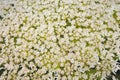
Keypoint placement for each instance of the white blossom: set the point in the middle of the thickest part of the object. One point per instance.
(59, 39)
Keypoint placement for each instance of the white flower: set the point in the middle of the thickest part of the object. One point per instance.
(67, 37)
(53, 38)
(64, 78)
(84, 76)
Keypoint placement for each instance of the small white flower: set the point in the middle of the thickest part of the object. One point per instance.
(53, 38)
(38, 26)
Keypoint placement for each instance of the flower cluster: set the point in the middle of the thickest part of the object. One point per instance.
(59, 39)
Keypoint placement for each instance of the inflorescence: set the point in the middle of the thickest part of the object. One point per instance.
(59, 39)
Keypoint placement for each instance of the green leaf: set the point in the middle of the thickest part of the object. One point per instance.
(25, 20)
(3, 42)
(68, 23)
(1, 17)
(114, 14)
(89, 17)
(115, 57)
(93, 70)
(62, 36)
(110, 29)
(1, 71)
(0, 50)
(59, 3)
(97, 2)
(20, 67)
(12, 5)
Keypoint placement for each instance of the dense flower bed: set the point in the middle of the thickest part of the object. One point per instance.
(59, 39)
